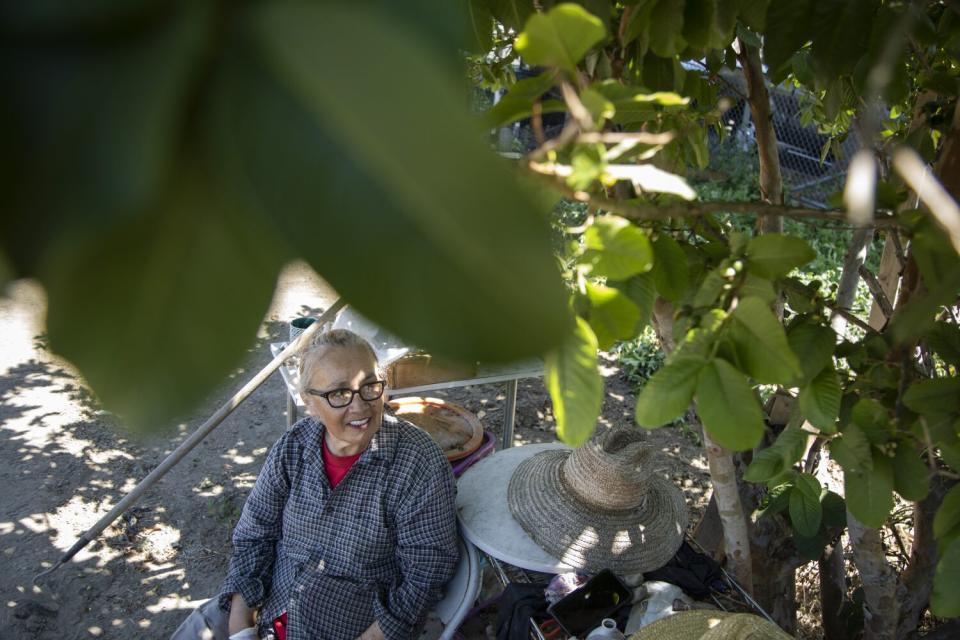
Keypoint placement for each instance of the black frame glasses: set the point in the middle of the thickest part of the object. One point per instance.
(340, 398)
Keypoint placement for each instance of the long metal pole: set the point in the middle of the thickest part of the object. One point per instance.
(187, 445)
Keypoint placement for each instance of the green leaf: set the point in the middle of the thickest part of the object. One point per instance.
(791, 444)
(753, 13)
(852, 449)
(839, 39)
(820, 400)
(945, 600)
(616, 249)
(944, 340)
(911, 477)
(91, 125)
(321, 147)
(728, 406)
(762, 343)
(666, 25)
(776, 501)
(805, 511)
(946, 522)
(668, 393)
(936, 396)
(870, 493)
(814, 343)
(669, 268)
(517, 103)
(767, 464)
(787, 29)
(641, 291)
(481, 25)
(599, 107)
(575, 385)
(810, 547)
(754, 286)
(158, 311)
(560, 37)
(698, 22)
(613, 316)
(834, 510)
(774, 255)
(873, 419)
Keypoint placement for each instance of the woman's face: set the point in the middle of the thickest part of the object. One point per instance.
(349, 428)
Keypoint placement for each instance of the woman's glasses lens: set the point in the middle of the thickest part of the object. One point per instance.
(340, 398)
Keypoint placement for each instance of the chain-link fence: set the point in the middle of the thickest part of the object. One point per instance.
(811, 171)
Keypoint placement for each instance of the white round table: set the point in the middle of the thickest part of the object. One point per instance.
(485, 518)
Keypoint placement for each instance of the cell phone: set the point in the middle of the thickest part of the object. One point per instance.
(585, 608)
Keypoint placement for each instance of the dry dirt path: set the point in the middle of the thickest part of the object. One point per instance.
(64, 464)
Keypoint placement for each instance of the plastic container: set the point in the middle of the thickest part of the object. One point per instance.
(584, 609)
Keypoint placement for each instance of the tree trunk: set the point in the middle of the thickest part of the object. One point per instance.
(916, 583)
(850, 276)
(736, 538)
(833, 592)
(771, 181)
(881, 610)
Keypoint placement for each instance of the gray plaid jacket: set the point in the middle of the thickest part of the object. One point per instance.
(379, 546)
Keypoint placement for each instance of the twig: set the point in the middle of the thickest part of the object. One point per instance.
(876, 290)
(614, 137)
(650, 212)
(899, 541)
(941, 205)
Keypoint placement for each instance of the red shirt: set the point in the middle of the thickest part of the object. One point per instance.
(336, 468)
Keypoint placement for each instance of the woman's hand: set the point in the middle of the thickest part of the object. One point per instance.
(241, 616)
(373, 632)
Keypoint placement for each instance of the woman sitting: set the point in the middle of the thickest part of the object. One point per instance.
(350, 530)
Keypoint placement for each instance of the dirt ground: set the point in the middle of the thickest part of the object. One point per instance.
(65, 463)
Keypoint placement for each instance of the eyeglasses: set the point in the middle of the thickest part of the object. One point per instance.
(339, 398)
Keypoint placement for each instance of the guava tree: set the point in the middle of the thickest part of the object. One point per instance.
(638, 84)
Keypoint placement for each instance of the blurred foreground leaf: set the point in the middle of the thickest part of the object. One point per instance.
(575, 385)
(157, 312)
(442, 253)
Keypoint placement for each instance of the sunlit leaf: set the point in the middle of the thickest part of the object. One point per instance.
(648, 178)
(820, 400)
(575, 385)
(612, 316)
(728, 406)
(616, 249)
(762, 343)
(773, 255)
(560, 37)
(668, 393)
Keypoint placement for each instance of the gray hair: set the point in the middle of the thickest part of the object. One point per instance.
(311, 356)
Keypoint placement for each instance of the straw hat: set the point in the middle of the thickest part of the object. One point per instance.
(711, 625)
(601, 506)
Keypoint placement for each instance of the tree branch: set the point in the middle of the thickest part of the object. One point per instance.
(653, 212)
(876, 290)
